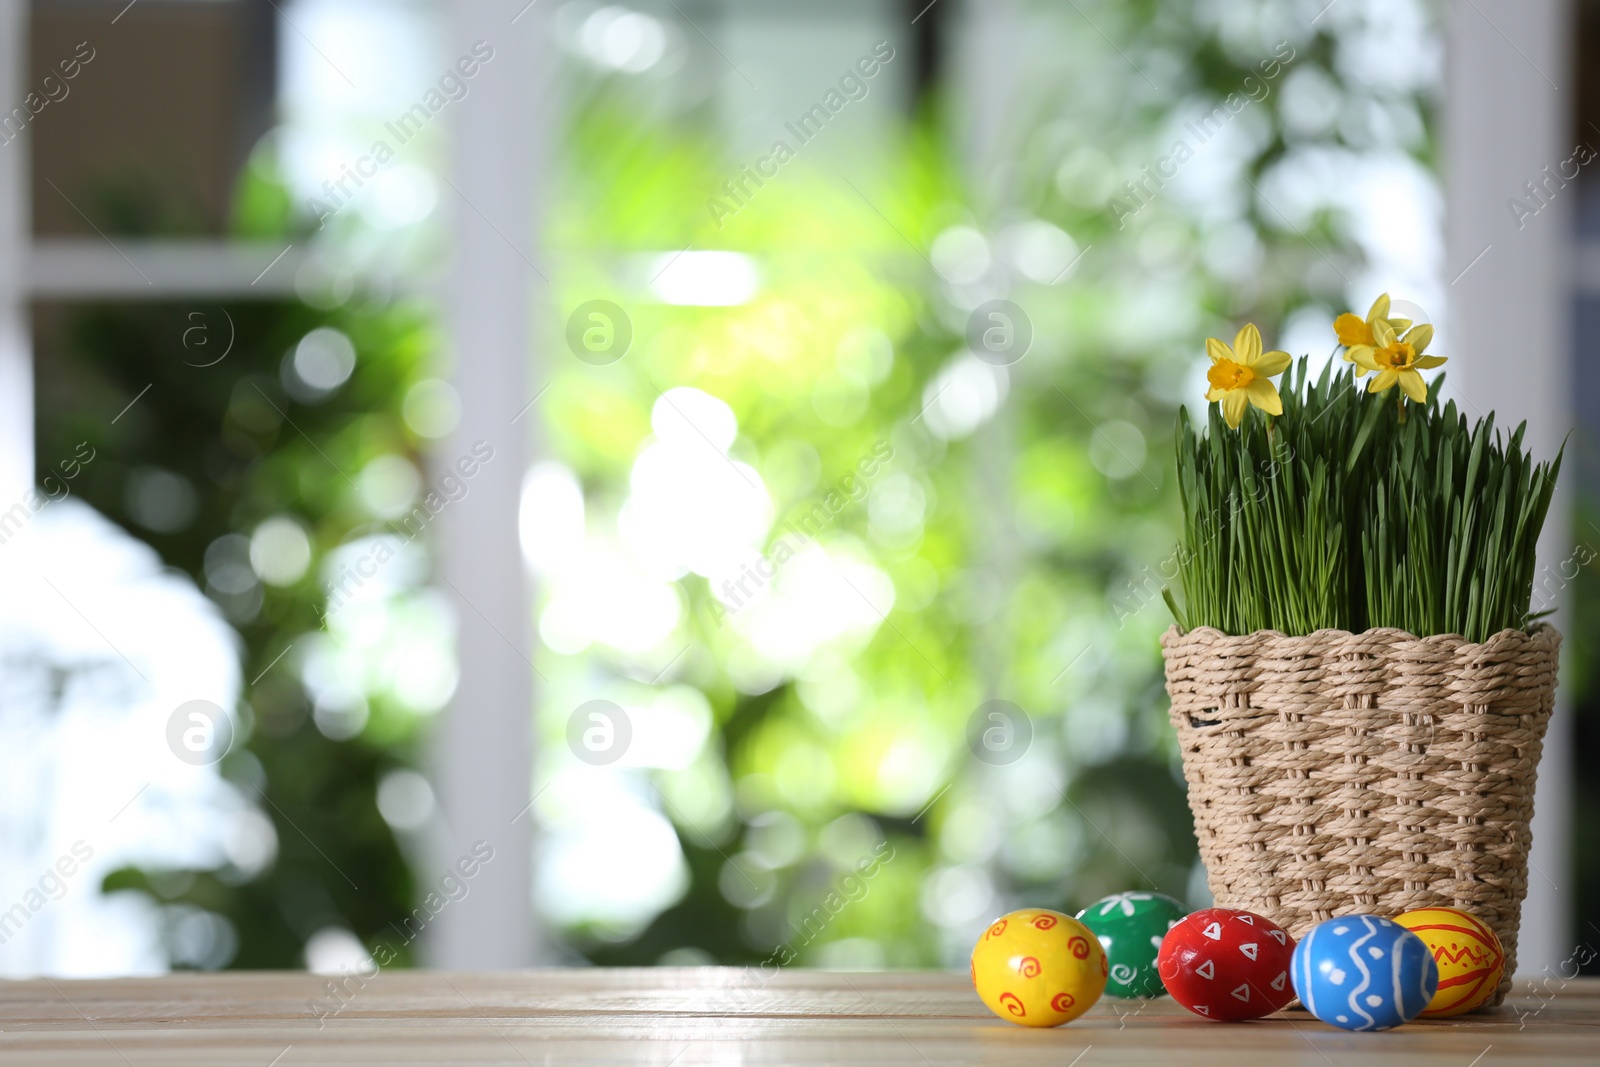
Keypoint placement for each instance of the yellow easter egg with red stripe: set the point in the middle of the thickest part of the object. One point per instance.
(1471, 961)
(1037, 967)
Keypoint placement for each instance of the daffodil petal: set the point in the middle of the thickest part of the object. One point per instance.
(1271, 364)
(1233, 406)
(1426, 362)
(1384, 380)
(1217, 350)
(1247, 344)
(1380, 308)
(1365, 357)
(1264, 395)
(1399, 324)
(1352, 330)
(1419, 336)
(1215, 393)
(1382, 333)
(1413, 385)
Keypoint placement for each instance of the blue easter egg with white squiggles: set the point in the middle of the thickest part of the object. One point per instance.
(1361, 972)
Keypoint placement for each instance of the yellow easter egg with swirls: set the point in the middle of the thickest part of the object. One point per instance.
(1471, 961)
(1037, 967)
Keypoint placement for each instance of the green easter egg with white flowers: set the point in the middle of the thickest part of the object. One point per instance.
(1130, 927)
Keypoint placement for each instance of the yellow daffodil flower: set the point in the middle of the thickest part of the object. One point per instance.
(1397, 359)
(1355, 333)
(1239, 375)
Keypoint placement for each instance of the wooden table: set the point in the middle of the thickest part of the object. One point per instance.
(712, 1016)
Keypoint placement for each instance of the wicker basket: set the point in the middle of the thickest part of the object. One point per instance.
(1374, 772)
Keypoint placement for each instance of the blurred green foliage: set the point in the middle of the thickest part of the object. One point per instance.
(1032, 569)
(1000, 583)
(243, 451)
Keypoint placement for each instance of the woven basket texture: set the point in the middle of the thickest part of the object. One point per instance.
(1378, 772)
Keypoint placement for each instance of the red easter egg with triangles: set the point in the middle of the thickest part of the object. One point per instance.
(1227, 965)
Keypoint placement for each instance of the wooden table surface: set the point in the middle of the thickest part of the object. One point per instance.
(687, 1016)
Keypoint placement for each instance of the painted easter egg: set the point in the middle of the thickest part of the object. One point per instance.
(1361, 972)
(1227, 965)
(1130, 927)
(1467, 953)
(1038, 968)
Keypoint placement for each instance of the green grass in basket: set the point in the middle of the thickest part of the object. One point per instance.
(1341, 514)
